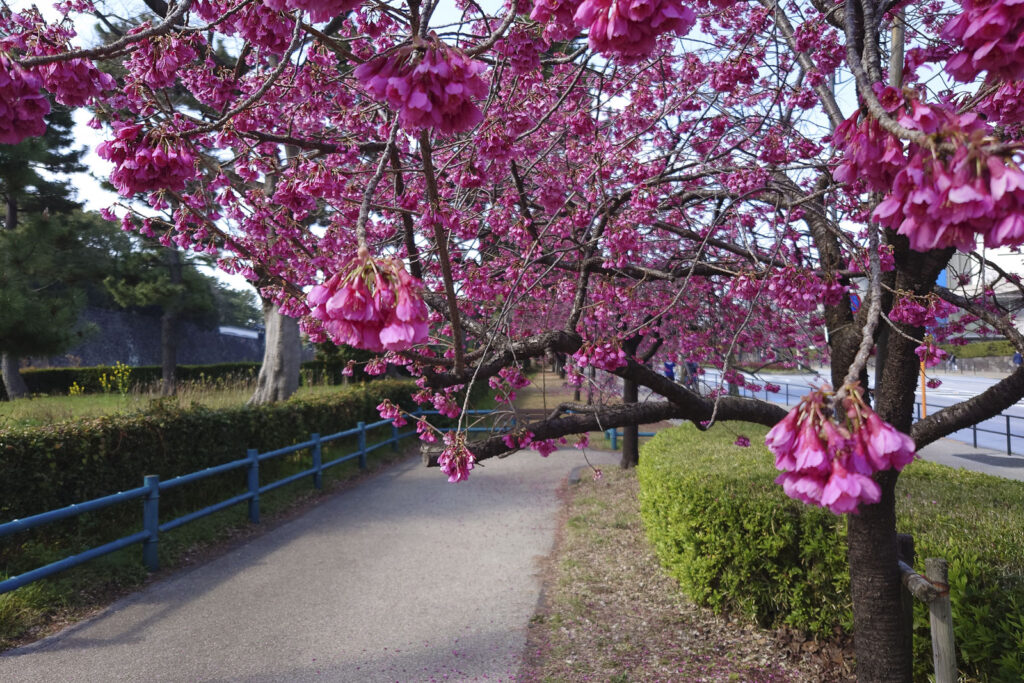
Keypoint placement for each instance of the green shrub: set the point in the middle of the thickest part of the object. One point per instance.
(736, 542)
(59, 381)
(981, 349)
(50, 467)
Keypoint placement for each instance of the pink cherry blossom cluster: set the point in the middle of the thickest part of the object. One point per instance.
(144, 163)
(75, 82)
(430, 87)
(607, 355)
(506, 382)
(456, 460)
(319, 10)
(828, 453)
(156, 62)
(930, 354)
(22, 104)
(910, 311)
(941, 198)
(728, 76)
(871, 154)
(630, 28)
(557, 17)
(371, 304)
(991, 33)
(389, 411)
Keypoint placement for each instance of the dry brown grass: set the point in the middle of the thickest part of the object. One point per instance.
(610, 613)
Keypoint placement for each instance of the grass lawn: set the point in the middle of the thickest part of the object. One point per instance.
(44, 410)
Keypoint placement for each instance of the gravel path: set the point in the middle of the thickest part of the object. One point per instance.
(403, 578)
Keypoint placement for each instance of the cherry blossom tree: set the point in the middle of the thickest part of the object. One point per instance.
(461, 188)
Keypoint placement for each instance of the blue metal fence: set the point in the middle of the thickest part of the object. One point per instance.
(151, 487)
(150, 490)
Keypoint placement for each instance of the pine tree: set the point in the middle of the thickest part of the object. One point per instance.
(38, 303)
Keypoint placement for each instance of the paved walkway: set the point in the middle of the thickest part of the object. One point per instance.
(403, 578)
(963, 456)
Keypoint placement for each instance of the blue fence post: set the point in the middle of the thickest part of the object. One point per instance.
(974, 434)
(613, 436)
(151, 522)
(362, 445)
(254, 485)
(1009, 446)
(318, 462)
(394, 437)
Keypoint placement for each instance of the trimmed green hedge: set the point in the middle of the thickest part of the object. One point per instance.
(981, 349)
(736, 542)
(59, 380)
(49, 467)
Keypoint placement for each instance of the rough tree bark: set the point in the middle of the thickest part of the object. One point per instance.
(14, 383)
(169, 329)
(630, 394)
(279, 374)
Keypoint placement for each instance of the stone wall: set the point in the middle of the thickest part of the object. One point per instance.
(133, 338)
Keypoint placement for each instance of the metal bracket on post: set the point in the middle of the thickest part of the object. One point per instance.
(253, 478)
(318, 462)
(362, 445)
(151, 522)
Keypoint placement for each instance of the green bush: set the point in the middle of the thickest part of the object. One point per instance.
(736, 542)
(58, 381)
(50, 467)
(981, 349)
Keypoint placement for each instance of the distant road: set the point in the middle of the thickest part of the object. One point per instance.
(955, 388)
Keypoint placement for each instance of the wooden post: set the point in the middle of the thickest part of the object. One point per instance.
(943, 645)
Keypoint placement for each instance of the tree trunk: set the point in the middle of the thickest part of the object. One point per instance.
(169, 330)
(279, 374)
(14, 383)
(630, 434)
(880, 631)
(630, 394)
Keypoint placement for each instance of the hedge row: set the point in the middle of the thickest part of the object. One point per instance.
(59, 380)
(736, 542)
(50, 467)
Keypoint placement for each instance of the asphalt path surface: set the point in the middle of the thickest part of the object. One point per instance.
(404, 577)
(956, 387)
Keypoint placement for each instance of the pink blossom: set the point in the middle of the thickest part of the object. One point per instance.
(845, 491)
(991, 35)
(319, 10)
(629, 28)
(371, 304)
(930, 354)
(545, 447)
(75, 82)
(742, 441)
(22, 104)
(389, 411)
(830, 460)
(430, 87)
(456, 460)
(144, 163)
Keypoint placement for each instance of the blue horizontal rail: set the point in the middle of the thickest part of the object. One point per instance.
(68, 562)
(70, 511)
